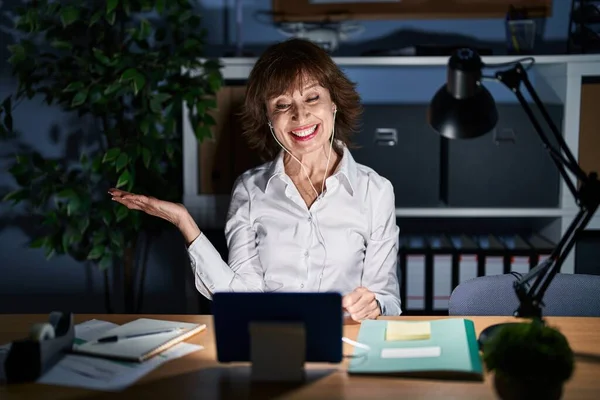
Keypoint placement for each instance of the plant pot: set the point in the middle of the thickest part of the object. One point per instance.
(509, 388)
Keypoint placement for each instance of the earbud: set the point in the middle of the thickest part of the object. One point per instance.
(270, 125)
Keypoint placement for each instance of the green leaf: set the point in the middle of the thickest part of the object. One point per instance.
(202, 132)
(66, 240)
(111, 5)
(61, 45)
(162, 97)
(51, 219)
(145, 126)
(68, 15)
(137, 79)
(50, 252)
(121, 213)
(74, 205)
(66, 194)
(184, 16)
(122, 161)
(96, 252)
(214, 81)
(170, 150)
(83, 224)
(100, 56)
(74, 87)
(97, 164)
(79, 98)
(146, 156)
(191, 44)
(117, 239)
(111, 154)
(18, 170)
(145, 29)
(123, 179)
(98, 237)
(112, 88)
(209, 120)
(105, 262)
(16, 195)
(156, 105)
(138, 83)
(95, 18)
(128, 74)
(39, 242)
(110, 18)
(160, 6)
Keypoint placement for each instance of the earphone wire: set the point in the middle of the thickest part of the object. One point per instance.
(322, 239)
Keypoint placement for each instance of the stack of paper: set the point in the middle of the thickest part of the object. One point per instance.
(99, 373)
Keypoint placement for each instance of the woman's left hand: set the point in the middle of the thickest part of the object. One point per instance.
(361, 304)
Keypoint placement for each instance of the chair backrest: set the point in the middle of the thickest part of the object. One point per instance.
(567, 295)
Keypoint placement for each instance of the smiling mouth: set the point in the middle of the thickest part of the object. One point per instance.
(305, 133)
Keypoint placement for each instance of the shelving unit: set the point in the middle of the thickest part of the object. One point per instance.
(584, 27)
(557, 80)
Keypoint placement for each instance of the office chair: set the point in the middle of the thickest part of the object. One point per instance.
(567, 295)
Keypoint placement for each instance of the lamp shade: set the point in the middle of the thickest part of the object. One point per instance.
(463, 108)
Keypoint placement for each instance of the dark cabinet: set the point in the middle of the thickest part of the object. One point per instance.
(506, 168)
(396, 141)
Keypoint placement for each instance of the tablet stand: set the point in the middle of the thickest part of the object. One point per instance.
(277, 351)
(28, 359)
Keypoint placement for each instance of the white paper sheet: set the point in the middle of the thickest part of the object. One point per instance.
(102, 374)
(411, 352)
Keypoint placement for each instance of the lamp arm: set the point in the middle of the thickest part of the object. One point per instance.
(587, 197)
(563, 158)
(530, 298)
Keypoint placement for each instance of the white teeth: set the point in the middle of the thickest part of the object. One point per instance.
(305, 132)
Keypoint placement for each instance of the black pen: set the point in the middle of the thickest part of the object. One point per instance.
(116, 338)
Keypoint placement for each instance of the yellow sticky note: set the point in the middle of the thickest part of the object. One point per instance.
(397, 330)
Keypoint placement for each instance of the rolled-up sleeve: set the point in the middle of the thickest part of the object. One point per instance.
(243, 272)
(380, 274)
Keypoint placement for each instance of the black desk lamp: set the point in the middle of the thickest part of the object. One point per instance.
(463, 108)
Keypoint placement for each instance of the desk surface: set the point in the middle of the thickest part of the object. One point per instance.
(198, 375)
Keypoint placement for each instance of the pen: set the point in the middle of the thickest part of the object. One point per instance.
(116, 338)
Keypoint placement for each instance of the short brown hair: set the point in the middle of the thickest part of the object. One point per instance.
(285, 64)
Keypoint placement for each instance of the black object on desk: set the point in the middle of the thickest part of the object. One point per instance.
(29, 358)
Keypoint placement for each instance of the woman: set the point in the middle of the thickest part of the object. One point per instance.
(310, 219)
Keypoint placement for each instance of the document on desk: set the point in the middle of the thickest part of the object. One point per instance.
(103, 374)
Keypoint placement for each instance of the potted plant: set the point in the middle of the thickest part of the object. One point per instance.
(125, 68)
(529, 360)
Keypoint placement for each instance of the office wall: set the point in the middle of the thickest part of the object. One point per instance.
(29, 283)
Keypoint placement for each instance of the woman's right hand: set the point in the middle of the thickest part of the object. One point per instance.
(175, 213)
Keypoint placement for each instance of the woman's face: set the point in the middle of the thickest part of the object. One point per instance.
(303, 120)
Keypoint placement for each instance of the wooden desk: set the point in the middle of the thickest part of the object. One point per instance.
(199, 376)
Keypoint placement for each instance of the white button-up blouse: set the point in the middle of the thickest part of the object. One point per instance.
(346, 239)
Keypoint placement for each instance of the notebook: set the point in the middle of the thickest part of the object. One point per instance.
(444, 348)
(143, 347)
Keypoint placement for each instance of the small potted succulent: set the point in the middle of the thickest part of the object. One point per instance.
(529, 360)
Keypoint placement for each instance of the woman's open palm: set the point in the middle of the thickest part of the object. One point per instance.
(166, 210)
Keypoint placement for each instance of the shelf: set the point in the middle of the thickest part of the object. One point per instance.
(484, 212)
(239, 67)
(209, 204)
